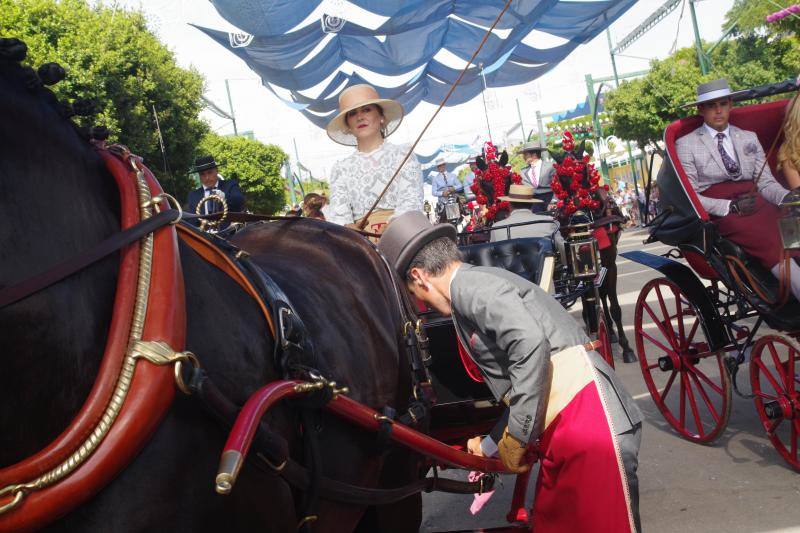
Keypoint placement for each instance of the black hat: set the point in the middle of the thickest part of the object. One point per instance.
(204, 162)
(406, 235)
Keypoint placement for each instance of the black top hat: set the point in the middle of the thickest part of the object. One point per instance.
(204, 162)
(406, 235)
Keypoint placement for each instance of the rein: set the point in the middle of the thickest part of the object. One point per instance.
(363, 222)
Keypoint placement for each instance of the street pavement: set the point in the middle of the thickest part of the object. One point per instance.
(738, 484)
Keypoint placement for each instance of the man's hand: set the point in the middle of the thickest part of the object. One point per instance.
(792, 198)
(744, 204)
(474, 446)
(513, 453)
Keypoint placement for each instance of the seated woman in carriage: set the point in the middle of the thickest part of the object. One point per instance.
(726, 168)
(364, 121)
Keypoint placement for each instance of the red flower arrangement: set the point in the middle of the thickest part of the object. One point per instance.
(578, 181)
(492, 179)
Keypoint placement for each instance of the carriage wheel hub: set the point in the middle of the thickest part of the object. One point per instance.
(780, 408)
(665, 363)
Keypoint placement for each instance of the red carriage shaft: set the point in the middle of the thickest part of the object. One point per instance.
(241, 436)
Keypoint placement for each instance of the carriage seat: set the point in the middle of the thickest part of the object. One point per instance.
(524, 257)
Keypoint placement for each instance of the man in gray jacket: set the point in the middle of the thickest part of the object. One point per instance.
(565, 403)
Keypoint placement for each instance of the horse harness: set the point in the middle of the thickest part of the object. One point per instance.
(148, 325)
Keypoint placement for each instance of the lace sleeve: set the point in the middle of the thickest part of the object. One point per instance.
(339, 208)
(409, 194)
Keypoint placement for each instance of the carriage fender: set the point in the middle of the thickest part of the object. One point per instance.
(693, 288)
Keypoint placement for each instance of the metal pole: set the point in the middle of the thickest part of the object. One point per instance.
(297, 159)
(597, 132)
(613, 61)
(230, 105)
(483, 94)
(540, 125)
(521, 126)
(616, 83)
(701, 56)
(287, 172)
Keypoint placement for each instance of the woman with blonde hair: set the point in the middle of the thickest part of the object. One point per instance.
(365, 120)
(789, 153)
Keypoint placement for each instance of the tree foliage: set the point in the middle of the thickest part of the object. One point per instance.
(113, 59)
(255, 165)
(750, 16)
(642, 108)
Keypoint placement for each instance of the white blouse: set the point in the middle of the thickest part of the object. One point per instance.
(358, 179)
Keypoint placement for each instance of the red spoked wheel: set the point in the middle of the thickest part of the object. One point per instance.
(775, 381)
(688, 381)
(605, 349)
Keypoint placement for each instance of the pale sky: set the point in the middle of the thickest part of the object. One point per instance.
(258, 110)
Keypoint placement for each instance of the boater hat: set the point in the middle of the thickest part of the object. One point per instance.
(358, 96)
(532, 147)
(713, 90)
(521, 194)
(407, 235)
(204, 162)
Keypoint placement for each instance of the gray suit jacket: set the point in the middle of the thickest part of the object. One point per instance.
(703, 165)
(545, 228)
(545, 177)
(510, 327)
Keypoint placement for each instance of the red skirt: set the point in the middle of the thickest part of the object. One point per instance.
(757, 233)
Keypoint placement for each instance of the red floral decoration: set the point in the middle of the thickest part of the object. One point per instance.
(494, 178)
(578, 181)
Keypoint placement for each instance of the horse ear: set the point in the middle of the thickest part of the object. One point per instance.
(503, 158)
(480, 162)
(558, 157)
(581, 148)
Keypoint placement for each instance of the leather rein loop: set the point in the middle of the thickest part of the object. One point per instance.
(38, 282)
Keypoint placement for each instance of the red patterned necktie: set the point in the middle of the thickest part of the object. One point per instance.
(730, 165)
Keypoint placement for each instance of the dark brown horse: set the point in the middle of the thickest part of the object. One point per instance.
(58, 199)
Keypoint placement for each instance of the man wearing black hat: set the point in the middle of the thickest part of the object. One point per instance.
(537, 174)
(565, 402)
(213, 184)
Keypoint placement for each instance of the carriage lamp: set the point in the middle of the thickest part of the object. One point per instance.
(581, 247)
(789, 225)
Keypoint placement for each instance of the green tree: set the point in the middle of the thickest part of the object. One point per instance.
(750, 16)
(255, 165)
(642, 108)
(113, 59)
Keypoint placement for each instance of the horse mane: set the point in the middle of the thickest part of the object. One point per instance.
(331, 275)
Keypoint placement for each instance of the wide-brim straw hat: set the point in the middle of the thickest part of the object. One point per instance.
(532, 147)
(713, 90)
(520, 194)
(407, 234)
(358, 96)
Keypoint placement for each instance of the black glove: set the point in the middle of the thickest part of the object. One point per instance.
(745, 204)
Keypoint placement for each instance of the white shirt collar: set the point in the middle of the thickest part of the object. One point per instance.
(711, 131)
(449, 285)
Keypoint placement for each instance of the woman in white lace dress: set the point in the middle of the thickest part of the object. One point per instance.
(364, 121)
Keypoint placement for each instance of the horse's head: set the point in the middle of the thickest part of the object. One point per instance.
(577, 182)
(56, 199)
(492, 180)
(56, 195)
